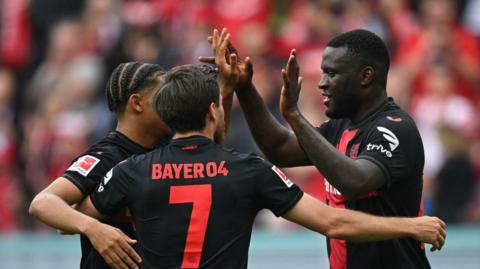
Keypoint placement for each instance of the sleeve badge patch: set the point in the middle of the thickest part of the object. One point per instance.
(282, 176)
(84, 165)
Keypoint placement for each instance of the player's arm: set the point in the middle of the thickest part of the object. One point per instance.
(53, 207)
(226, 66)
(357, 226)
(110, 242)
(276, 141)
(350, 177)
(53, 204)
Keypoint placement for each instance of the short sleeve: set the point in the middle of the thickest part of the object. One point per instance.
(113, 192)
(87, 171)
(275, 190)
(393, 145)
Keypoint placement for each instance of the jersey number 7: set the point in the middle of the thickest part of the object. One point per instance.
(201, 197)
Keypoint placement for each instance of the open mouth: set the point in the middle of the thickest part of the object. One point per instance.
(326, 99)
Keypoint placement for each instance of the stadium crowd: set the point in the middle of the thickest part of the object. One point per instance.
(55, 57)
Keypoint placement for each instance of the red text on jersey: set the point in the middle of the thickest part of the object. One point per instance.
(188, 170)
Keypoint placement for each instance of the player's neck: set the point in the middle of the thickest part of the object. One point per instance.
(370, 105)
(137, 134)
(194, 133)
(208, 132)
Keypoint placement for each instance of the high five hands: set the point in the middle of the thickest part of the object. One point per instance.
(231, 68)
(292, 84)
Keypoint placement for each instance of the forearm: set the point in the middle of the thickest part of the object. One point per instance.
(342, 172)
(360, 227)
(265, 128)
(227, 100)
(347, 224)
(56, 213)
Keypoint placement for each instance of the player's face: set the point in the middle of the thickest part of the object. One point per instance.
(219, 135)
(152, 120)
(339, 83)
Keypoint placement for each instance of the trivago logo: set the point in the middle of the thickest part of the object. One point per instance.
(379, 148)
(392, 139)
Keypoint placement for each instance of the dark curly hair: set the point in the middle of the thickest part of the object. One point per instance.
(366, 46)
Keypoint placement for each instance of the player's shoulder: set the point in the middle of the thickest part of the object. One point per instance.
(396, 119)
(107, 146)
(248, 158)
(102, 155)
(137, 162)
(396, 124)
(142, 158)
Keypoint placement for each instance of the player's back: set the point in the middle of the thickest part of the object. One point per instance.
(194, 202)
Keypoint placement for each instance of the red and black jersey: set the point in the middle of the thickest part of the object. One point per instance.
(389, 138)
(87, 171)
(193, 202)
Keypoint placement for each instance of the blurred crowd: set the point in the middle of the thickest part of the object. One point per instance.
(55, 56)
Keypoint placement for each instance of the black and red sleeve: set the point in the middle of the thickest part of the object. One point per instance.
(113, 191)
(275, 190)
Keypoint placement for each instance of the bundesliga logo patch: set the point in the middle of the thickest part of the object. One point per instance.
(282, 176)
(84, 165)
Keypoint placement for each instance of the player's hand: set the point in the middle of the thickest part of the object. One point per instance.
(113, 245)
(292, 84)
(431, 230)
(230, 66)
(225, 61)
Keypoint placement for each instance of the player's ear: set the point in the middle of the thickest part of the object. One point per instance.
(135, 103)
(212, 111)
(366, 75)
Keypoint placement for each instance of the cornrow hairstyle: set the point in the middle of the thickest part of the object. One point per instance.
(127, 79)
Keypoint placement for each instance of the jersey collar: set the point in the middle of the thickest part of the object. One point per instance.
(193, 141)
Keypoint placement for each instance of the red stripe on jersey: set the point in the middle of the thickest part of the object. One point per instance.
(338, 248)
(347, 136)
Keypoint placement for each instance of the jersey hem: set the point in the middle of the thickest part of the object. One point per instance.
(289, 205)
(77, 184)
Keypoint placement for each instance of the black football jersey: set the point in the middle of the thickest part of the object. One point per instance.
(194, 202)
(389, 138)
(87, 171)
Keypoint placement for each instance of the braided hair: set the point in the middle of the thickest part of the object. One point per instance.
(127, 79)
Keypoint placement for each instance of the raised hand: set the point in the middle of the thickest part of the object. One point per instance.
(231, 67)
(225, 61)
(113, 245)
(431, 230)
(292, 85)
